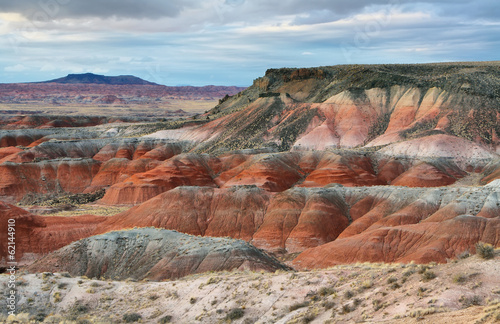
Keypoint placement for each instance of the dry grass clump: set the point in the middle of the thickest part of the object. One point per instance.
(428, 275)
(298, 305)
(474, 300)
(459, 278)
(485, 250)
(427, 311)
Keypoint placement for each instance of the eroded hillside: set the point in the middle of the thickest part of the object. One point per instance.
(319, 166)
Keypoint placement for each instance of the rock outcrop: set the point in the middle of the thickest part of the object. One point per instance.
(154, 254)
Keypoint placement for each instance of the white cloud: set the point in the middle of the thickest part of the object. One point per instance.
(16, 68)
(234, 41)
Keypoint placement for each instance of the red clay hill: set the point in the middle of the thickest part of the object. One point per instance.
(392, 163)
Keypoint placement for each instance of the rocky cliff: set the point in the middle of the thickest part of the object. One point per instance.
(358, 105)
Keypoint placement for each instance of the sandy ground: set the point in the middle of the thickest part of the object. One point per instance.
(462, 291)
(190, 106)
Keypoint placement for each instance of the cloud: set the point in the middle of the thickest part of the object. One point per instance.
(235, 41)
(16, 68)
(96, 8)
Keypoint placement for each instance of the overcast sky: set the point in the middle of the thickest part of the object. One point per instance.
(232, 42)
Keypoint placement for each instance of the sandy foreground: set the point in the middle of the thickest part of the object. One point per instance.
(461, 291)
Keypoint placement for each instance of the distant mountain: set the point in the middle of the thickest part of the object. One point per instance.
(91, 78)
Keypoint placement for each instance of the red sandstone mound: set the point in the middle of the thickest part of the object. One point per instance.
(236, 212)
(428, 175)
(18, 139)
(383, 223)
(421, 243)
(154, 254)
(136, 171)
(184, 169)
(135, 149)
(38, 235)
(7, 151)
(117, 170)
(293, 220)
(348, 171)
(298, 219)
(75, 167)
(46, 177)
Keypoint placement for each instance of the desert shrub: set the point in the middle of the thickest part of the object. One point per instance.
(165, 319)
(46, 275)
(421, 291)
(422, 269)
(213, 280)
(463, 255)
(40, 317)
(308, 318)
(428, 275)
(57, 297)
(470, 301)
(153, 297)
(328, 304)
(485, 250)
(459, 278)
(377, 304)
(348, 294)
(192, 300)
(21, 283)
(408, 273)
(79, 308)
(427, 311)
(131, 317)
(83, 321)
(392, 280)
(298, 305)
(345, 309)
(62, 285)
(367, 284)
(326, 291)
(395, 286)
(235, 313)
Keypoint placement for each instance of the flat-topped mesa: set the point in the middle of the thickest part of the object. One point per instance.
(350, 106)
(91, 78)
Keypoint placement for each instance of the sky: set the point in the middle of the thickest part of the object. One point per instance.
(233, 42)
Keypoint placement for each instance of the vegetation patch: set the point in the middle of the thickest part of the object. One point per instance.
(485, 250)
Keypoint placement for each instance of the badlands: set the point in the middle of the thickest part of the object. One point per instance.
(332, 194)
